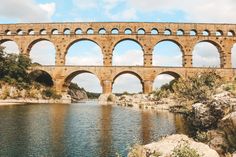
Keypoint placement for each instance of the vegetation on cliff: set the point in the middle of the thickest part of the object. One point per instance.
(16, 82)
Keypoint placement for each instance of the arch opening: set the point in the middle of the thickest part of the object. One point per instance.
(219, 33)
(233, 56)
(193, 32)
(55, 32)
(19, 32)
(141, 31)
(102, 31)
(154, 31)
(231, 33)
(165, 80)
(206, 54)
(205, 33)
(127, 82)
(10, 47)
(43, 32)
(128, 31)
(167, 53)
(42, 52)
(180, 32)
(31, 32)
(114, 31)
(90, 31)
(78, 31)
(84, 52)
(167, 32)
(86, 80)
(125, 50)
(66, 31)
(8, 32)
(42, 77)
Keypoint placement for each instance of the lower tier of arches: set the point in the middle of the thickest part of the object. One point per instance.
(62, 75)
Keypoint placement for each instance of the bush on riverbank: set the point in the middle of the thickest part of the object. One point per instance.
(197, 88)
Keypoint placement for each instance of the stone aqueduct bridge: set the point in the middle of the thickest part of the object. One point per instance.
(108, 35)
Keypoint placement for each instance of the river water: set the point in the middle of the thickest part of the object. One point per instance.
(83, 129)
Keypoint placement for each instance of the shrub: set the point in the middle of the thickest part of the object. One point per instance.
(197, 88)
(184, 150)
(50, 93)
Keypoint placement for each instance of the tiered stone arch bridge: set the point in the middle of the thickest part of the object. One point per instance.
(108, 34)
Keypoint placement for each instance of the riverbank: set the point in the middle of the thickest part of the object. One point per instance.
(34, 101)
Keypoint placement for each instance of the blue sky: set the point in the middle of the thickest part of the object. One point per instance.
(165, 53)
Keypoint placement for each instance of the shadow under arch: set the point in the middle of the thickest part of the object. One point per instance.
(165, 78)
(42, 77)
(171, 73)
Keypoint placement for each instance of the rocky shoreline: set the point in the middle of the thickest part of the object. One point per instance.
(214, 122)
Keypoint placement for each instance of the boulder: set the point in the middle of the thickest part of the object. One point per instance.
(107, 99)
(207, 115)
(217, 140)
(228, 124)
(166, 146)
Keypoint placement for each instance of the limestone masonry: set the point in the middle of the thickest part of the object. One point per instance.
(107, 35)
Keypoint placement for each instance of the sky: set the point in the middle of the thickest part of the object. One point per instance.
(165, 53)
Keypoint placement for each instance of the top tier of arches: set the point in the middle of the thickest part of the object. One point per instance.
(174, 29)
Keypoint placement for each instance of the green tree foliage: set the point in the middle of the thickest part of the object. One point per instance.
(13, 68)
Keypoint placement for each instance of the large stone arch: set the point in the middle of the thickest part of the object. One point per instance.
(134, 73)
(82, 39)
(165, 77)
(217, 45)
(176, 75)
(77, 41)
(133, 43)
(2, 41)
(35, 41)
(127, 38)
(179, 44)
(69, 77)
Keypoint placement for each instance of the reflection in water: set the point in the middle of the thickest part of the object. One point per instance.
(83, 129)
(145, 127)
(105, 134)
(58, 114)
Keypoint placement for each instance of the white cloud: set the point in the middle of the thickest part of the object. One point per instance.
(86, 4)
(10, 47)
(195, 10)
(127, 83)
(129, 14)
(89, 82)
(162, 60)
(43, 53)
(27, 10)
(206, 55)
(128, 58)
